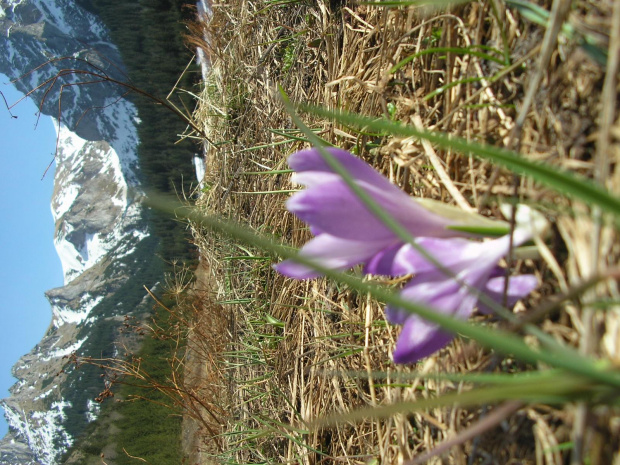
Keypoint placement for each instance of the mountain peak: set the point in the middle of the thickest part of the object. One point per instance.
(101, 234)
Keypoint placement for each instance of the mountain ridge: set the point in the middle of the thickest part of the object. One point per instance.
(102, 237)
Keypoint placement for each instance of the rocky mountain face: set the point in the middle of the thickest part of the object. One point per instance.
(101, 235)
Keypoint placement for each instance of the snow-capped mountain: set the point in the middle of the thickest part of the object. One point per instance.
(101, 236)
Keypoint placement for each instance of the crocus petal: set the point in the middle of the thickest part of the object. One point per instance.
(518, 287)
(329, 205)
(335, 209)
(453, 253)
(419, 339)
(330, 252)
(311, 160)
(396, 315)
(433, 288)
(312, 179)
(387, 263)
(443, 295)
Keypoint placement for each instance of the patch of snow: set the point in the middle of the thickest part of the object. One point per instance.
(203, 61)
(204, 14)
(203, 8)
(51, 440)
(64, 314)
(14, 419)
(69, 258)
(71, 144)
(46, 393)
(93, 409)
(122, 115)
(119, 209)
(42, 431)
(75, 22)
(14, 3)
(64, 200)
(59, 353)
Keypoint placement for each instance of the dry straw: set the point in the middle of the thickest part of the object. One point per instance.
(296, 351)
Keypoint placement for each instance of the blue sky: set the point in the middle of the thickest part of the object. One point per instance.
(29, 264)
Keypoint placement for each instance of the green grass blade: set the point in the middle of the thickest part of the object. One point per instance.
(450, 85)
(455, 50)
(557, 389)
(397, 3)
(502, 341)
(574, 186)
(260, 173)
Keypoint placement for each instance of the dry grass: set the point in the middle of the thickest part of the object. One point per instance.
(300, 350)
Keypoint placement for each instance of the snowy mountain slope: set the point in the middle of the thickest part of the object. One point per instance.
(101, 236)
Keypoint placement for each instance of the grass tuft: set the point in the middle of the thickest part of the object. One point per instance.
(307, 364)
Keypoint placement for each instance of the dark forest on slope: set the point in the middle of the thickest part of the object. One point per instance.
(149, 34)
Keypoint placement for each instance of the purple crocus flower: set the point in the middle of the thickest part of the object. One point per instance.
(348, 234)
(470, 269)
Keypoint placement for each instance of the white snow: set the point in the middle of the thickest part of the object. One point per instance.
(124, 117)
(14, 3)
(93, 409)
(63, 314)
(46, 393)
(70, 143)
(203, 62)
(51, 440)
(92, 250)
(73, 155)
(204, 14)
(42, 431)
(69, 258)
(59, 353)
(64, 200)
(56, 14)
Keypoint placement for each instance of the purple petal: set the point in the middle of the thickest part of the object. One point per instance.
(312, 160)
(387, 262)
(419, 339)
(330, 252)
(454, 254)
(312, 179)
(474, 263)
(330, 206)
(518, 287)
(333, 208)
(396, 316)
(315, 231)
(444, 295)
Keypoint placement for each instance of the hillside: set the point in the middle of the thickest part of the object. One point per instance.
(300, 350)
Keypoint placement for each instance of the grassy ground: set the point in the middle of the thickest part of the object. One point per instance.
(278, 353)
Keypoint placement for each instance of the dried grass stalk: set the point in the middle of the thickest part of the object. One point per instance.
(323, 355)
